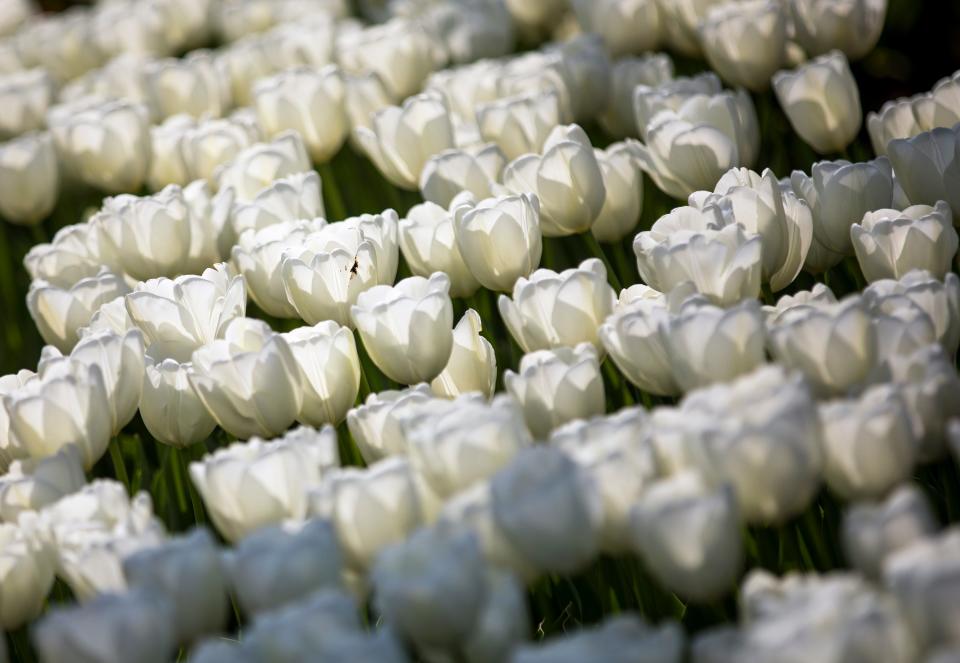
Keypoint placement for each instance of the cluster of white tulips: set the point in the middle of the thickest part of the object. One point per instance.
(371, 494)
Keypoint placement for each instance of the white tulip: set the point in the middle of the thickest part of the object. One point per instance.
(191, 85)
(618, 639)
(429, 244)
(212, 143)
(27, 576)
(745, 42)
(187, 572)
(14, 14)
(626, 26)
(9, 447)
(473, 363)
(281, 564)
(73, 254)
(938, 107)
(364, 96)
(29, 178)
(375, 425)
(660, 91)
(626, 74)
(680, 20)
(307, 101)
(258, 166)
(895, 119)
(821, 100)
(291, 198)
(447, 174)
(928, 168)
(889, 244)
(519, 125)
(26, 96)
(499, 239)
(310, 42)
(688, 535)
(330, 370)
(171, 410)
(549, 508)
(623, 182)
(241, 64)
(180, 315)
(853, 26)
(248, 380)
(167, 162)
(407, 328)
(32, 484)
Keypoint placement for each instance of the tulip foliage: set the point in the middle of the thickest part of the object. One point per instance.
(475, 331)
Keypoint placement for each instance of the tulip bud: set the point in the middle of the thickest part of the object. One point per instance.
(446, 175)
(32, 484)
(330, 371)
(371, 508)
(549, 509)
(364, 96)
(833, 345)
(519, 125)
(306, 101)
(375, 425)
(431, 587)
(625, 27)
(873, 531)
(852, 26)
(107, 145)
(745, 42)
(180, 315)
(248, 380)
(259, 165)
(26, 96)
(403, 139)
(72, 255)
(406, 328)
(212, 143)
(938, 107)
(472, 365)
(821, 100)
(895, 119)
(191, 85)
(428, 242)
(889, 243)
(186, 571)
(626, 74)
(499, 239)
(135, 626)
(689, 535)
(27, 575)
(29, 179)
(927, 167)
(291, 198)
(241, 64)
(558, 309)
(171, 410)
(623, 182)
(167, 163)
(646, 98)
(307, 41)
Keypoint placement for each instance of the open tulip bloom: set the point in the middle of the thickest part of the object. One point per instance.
(352, 332)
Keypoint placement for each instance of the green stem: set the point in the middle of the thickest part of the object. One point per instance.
(176, 470)
(332, 195)
(116, 456)
(594, 246)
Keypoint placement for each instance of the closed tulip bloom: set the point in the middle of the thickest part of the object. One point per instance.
(370, 508)
(178, 316)
(73, 254)
(895, 119)
(407, 328)
(14, 15)
(889, 244)
(10, 448)
(32, 484)
(375, 425)
(618, 639)
(27, 576)
(67, 403)
(868, 443)
(60, 312)
(306, 101)
(821, 100)
(687, 533)
(26, 95)
(664, 92)
(928, 168)
(727, 31)
(623, 182)
(171, 410)
(431, 587)
(557, 386)
(310, 42)
(291, 198)
(330, 368)
(402, 53)
(472, 365)
(187, 572)
(833, 345)
(460, 446)
(451, 172)
(708, 344)
(938, 107)
(626, 74)
(549, 509)
(29, 178)
(241, 64)
(364, 96)
(552, 309)
(248, 380)
(499, 239)
(106, 145)
(281, 564)
(167, 162)
(429, 244)
(626, 26)
(519, 125)
(873, 531)
(404, 138)
(852, 26)
(134, 626)
(566, 178)
(680, 21)
(191, 85)
(212, 143)
(259, 165)
(839, 193)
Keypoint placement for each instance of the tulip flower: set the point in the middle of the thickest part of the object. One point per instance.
(375, 425)
(895, 119)
(451, 172)
(407, 328)
(617, 639)
(663, 92)
(171, 410)
(29, 178)
(623, 182)
(472, 365)
(625, 27)
(557, 386)
(889, 244)
(187, 572)
(73, 254)
(519, 125)
(499, 239)
(852, 26)
(304, 41)
(26, 95)
(191, 85)
(687, 533)
(249, 380)
(428, 242)
(626, 74)
(938, 107)
(927, 167)
(241, 64)
(291, 198)
(745, 42)
(167, 162)
(213, 143)
(364, 96)
(31, 484)
(27, 576)
(821, 100)
(280, 564)
(330, 368)
(14, 15)
(306, 101)
(503, 622)
(259, 165)
(549, 508)
(679, 21)
(874, 531)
